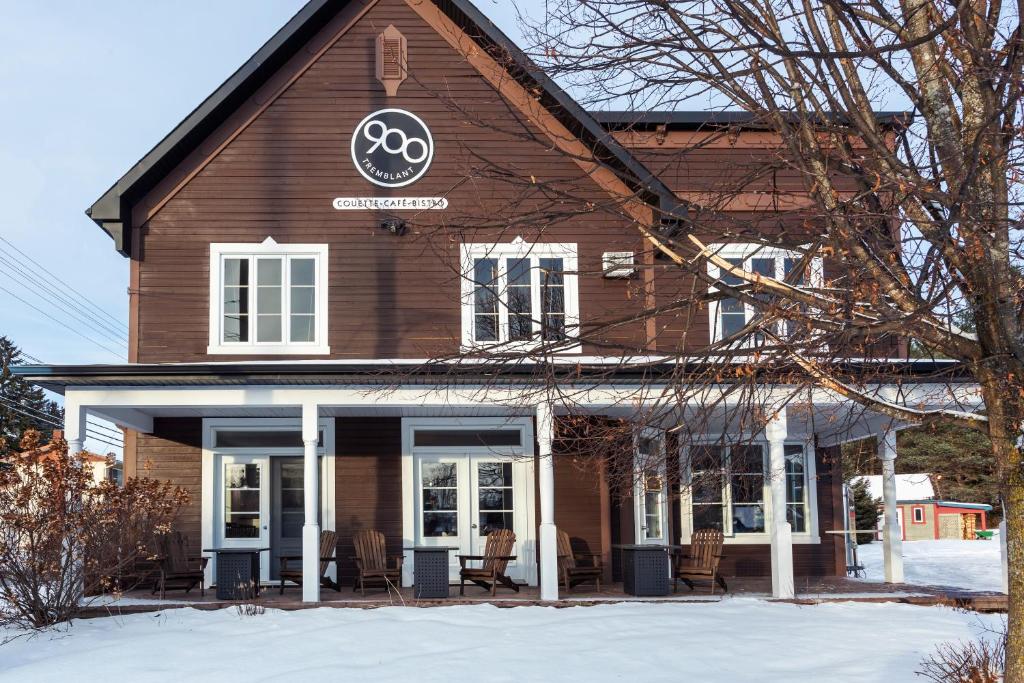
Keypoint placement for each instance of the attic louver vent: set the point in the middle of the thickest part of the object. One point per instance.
(392, 59)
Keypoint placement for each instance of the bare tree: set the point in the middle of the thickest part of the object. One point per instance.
(892, 178)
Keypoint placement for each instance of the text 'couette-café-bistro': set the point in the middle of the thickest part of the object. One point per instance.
(332, 216)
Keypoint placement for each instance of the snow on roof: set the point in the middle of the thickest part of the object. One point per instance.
(908, 486)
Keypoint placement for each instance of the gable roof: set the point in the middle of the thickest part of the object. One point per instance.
(112, 211)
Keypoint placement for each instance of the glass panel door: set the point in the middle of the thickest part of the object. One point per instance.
(493, 500)
(649, 494)
(244, 518)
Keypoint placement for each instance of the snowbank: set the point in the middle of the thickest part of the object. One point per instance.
(735, 640)
(969, 565)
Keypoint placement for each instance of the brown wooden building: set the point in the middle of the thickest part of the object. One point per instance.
(332, 218)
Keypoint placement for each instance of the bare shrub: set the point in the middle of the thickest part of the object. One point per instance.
(981, 661)
(64, 536)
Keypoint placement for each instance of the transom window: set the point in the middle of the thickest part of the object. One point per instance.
(729, 487)
(518, 294)
(268, 298)
(729, 316)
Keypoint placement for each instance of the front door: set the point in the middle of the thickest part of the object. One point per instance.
(461, 498)
(287, 511)
(245, 504)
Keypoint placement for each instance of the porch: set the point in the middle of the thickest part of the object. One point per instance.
(355, 455)
(808, 591)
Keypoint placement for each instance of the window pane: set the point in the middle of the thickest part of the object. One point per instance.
(244, 525)
(796, 508)
(244, 500)
(268, 328)
(707, 517)
(439, 474)
(303, 272)
(241, 476)
(492, 521)
(292, 475)
(732, 323)
(747, 519)
(268, 272)
(236, 272)
(303, 328)
(268, 300)
(552, 273)
(440, 524)
(495, 473)
(485, 299)
(440, 499)
(520, 304)
(303, 300)
(468, 437)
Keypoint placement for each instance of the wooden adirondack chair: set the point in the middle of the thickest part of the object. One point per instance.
(497, 555)
(701, 563)
(328, 541)
(572, 573)
(177, 569)
(373, 562)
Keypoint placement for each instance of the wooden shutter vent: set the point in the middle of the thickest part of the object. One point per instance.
(392, 60)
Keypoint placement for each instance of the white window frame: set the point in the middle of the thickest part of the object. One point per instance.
(747, 251)
(810, 536)
(660, 469)
(520, 249)
(220, 252)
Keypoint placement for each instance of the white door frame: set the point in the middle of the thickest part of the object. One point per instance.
(524, 476)
(211, 514)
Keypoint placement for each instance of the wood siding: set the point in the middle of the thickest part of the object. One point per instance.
(368, 484)
(389, 296)
(174, 453)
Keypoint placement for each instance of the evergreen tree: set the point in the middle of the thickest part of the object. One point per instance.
(865, 510)
(959, 460)
(22, 406)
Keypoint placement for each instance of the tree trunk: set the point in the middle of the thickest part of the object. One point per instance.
(1004, 432)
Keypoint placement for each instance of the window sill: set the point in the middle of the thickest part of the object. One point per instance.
(268, 350)
(517, 348)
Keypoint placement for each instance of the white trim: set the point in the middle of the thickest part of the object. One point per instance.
(319, 254)
(520, 249)
(809, 537)
(210, 483)
(745, 251)
(522, 457)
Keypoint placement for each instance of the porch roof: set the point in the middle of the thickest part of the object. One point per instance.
(580, 369)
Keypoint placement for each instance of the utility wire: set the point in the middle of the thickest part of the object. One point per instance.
(119, 323)
(92, 429)
(52, 423)
(119, 354)
(42, 290)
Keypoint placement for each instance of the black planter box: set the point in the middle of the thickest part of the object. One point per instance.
(430, 573)
(645, 570)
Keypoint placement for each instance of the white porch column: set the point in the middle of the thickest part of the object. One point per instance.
(74, 426)
(548, 542)
(892, 537)
(1004, 557)
(311, 494)
(783, 585)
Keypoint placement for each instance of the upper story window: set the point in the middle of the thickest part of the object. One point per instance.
(729, 316)
(519, 295)
(268, 298)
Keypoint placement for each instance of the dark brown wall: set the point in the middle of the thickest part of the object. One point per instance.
(174, 452)
(579, 496)
(368, 484)
(389, 296)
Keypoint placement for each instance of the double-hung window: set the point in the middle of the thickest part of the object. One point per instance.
(519, 295)
(268, 298)
(730, 488)
(730, 315)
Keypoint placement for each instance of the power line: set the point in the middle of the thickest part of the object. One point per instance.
(48, 294)
(81, 296)
(92, 429)
(53, 423)
(119, 354)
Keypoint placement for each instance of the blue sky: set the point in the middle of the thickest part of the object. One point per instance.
(87, 90)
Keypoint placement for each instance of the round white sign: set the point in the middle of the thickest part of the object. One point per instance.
(392, 148)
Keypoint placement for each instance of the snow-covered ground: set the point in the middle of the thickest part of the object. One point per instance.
(739, 639)
(970, 565)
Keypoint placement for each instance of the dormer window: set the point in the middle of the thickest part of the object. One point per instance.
(519, 295)
(268, 298)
